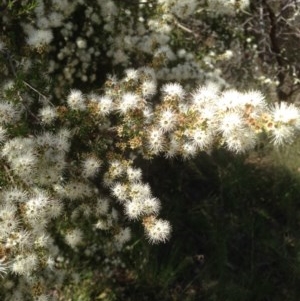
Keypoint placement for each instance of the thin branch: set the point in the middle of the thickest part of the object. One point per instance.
(184, 28)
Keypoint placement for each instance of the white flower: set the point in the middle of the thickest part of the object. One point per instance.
(39, 37)
(231, 122)
(158, 230)
(90, 167)
(173, 89)
(42, 297)
(201, 138)
(25, 264)
(173, 148)
(14, 194)
(184, 8)
(105, 105)
(74, 238)
(189, 150)
(81, 43)
(36, 207)
(167, 120)
(20, 240)
(3, 267)
(285, 113)
(3, 135)
(119, 190)
(16, 147)
(128, 102)
(133, 209)
(156, 141)
(254, 98)
(131, 74)
(148, 88)
(227, 7)
(47, 114)
(151, 206)
(241, 141)
(54, 208)
(123, 236)
(76, 100)
(102, 206)
(116, 169)
(134, 174)
(205, 95)
(231, 100)
(24, 165)
(282, 134)
(139, 191)
(8, 113)
(8, 220)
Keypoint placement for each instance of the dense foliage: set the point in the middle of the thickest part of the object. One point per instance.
(173, 118)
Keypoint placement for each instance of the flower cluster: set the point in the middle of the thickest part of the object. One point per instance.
(70, 173)
(62, 171)
(81, 38)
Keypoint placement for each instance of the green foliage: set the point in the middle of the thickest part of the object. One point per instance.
(21, 9)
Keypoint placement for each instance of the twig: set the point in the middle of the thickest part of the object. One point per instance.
(184, 28)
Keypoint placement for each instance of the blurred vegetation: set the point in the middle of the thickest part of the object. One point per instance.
(235, 236)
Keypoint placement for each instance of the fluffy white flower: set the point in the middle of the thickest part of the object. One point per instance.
(231, 122)
(231, 100)
(119, 190)
(128, 102)
(228, 7)
(47, 114)
(156, 142)
(90, 167)
(285, 113)
(122, 237)
(36, 207)
(8, 113)
(8, 220)
(158, 230)
(201, 138)
(102, 206)
(24, 165)
(205, 95)
(134, 174)
(241, 141)
(151, 206)
(133, 209)
(54, 208)
(74, 238)
(173, 148)
(189, 150)
(173, 89)
(131, 74)
(139, 191)
(184, 8)
(105, 105)
(255, 99)
(76, 100)
(39, 37)
(116, 169)
(148, 88)
(167, 120)
(14, 194)
(282, 134)
(3, 267)
(25, 264)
